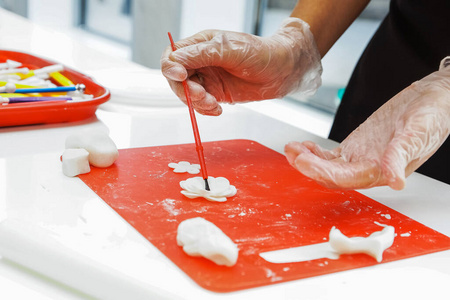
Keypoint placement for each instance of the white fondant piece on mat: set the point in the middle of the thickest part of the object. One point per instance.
(75, 162)
(220, 188)
(184, 166)
(199, 237)
(102, 150)
(373, 245)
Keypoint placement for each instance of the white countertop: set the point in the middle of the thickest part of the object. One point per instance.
(41, 209)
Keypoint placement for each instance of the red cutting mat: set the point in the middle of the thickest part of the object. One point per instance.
(275, 208)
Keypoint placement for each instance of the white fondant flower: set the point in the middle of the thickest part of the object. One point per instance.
(220, 188)
(184, 166)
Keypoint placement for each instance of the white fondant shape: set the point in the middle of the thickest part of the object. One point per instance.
(75, 162)
(199, 237)
(220, 188)
(373, 245)
(184, 166)
(102, 150)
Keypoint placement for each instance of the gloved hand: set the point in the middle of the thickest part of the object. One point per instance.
(222, 66)
(391, 144)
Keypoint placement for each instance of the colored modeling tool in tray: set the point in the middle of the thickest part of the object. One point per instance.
(35, 90)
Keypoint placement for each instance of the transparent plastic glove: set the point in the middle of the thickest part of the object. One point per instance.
(391, 144)
(231, 67)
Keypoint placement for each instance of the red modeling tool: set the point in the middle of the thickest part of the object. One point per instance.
(198, 142)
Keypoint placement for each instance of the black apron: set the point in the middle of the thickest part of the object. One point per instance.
(409, 45)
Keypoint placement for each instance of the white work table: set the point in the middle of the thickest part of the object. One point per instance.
(59, 220)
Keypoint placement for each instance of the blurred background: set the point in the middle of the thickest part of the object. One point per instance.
(136, 30)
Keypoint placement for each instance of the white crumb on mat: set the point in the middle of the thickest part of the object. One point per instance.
(380, 224)
(184, 166)
(199, 237)
(387, 216)
(220, 188)
(273, 277)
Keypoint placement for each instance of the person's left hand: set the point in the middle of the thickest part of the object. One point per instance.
(391, 144)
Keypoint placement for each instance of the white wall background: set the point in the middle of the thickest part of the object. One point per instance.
(232, 15)
(57, 13)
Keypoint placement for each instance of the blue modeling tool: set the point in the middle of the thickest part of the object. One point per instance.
(78, 87)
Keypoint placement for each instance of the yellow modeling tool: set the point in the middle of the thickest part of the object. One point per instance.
(61, 79)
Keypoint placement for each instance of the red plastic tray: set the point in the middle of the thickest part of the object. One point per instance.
(276, 207)
(51, 112)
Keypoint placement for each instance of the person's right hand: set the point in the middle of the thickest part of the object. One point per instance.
(231, 67)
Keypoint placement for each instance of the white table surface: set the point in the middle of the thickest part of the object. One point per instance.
(51, 223)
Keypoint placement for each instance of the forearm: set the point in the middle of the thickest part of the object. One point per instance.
(328, 19)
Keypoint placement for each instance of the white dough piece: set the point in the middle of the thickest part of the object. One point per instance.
(199, 237)
(184, 166)
(102, 150)
(220, 188)
(373, 245)
(75, 162)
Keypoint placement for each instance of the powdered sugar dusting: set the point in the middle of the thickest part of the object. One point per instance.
(169, 206)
